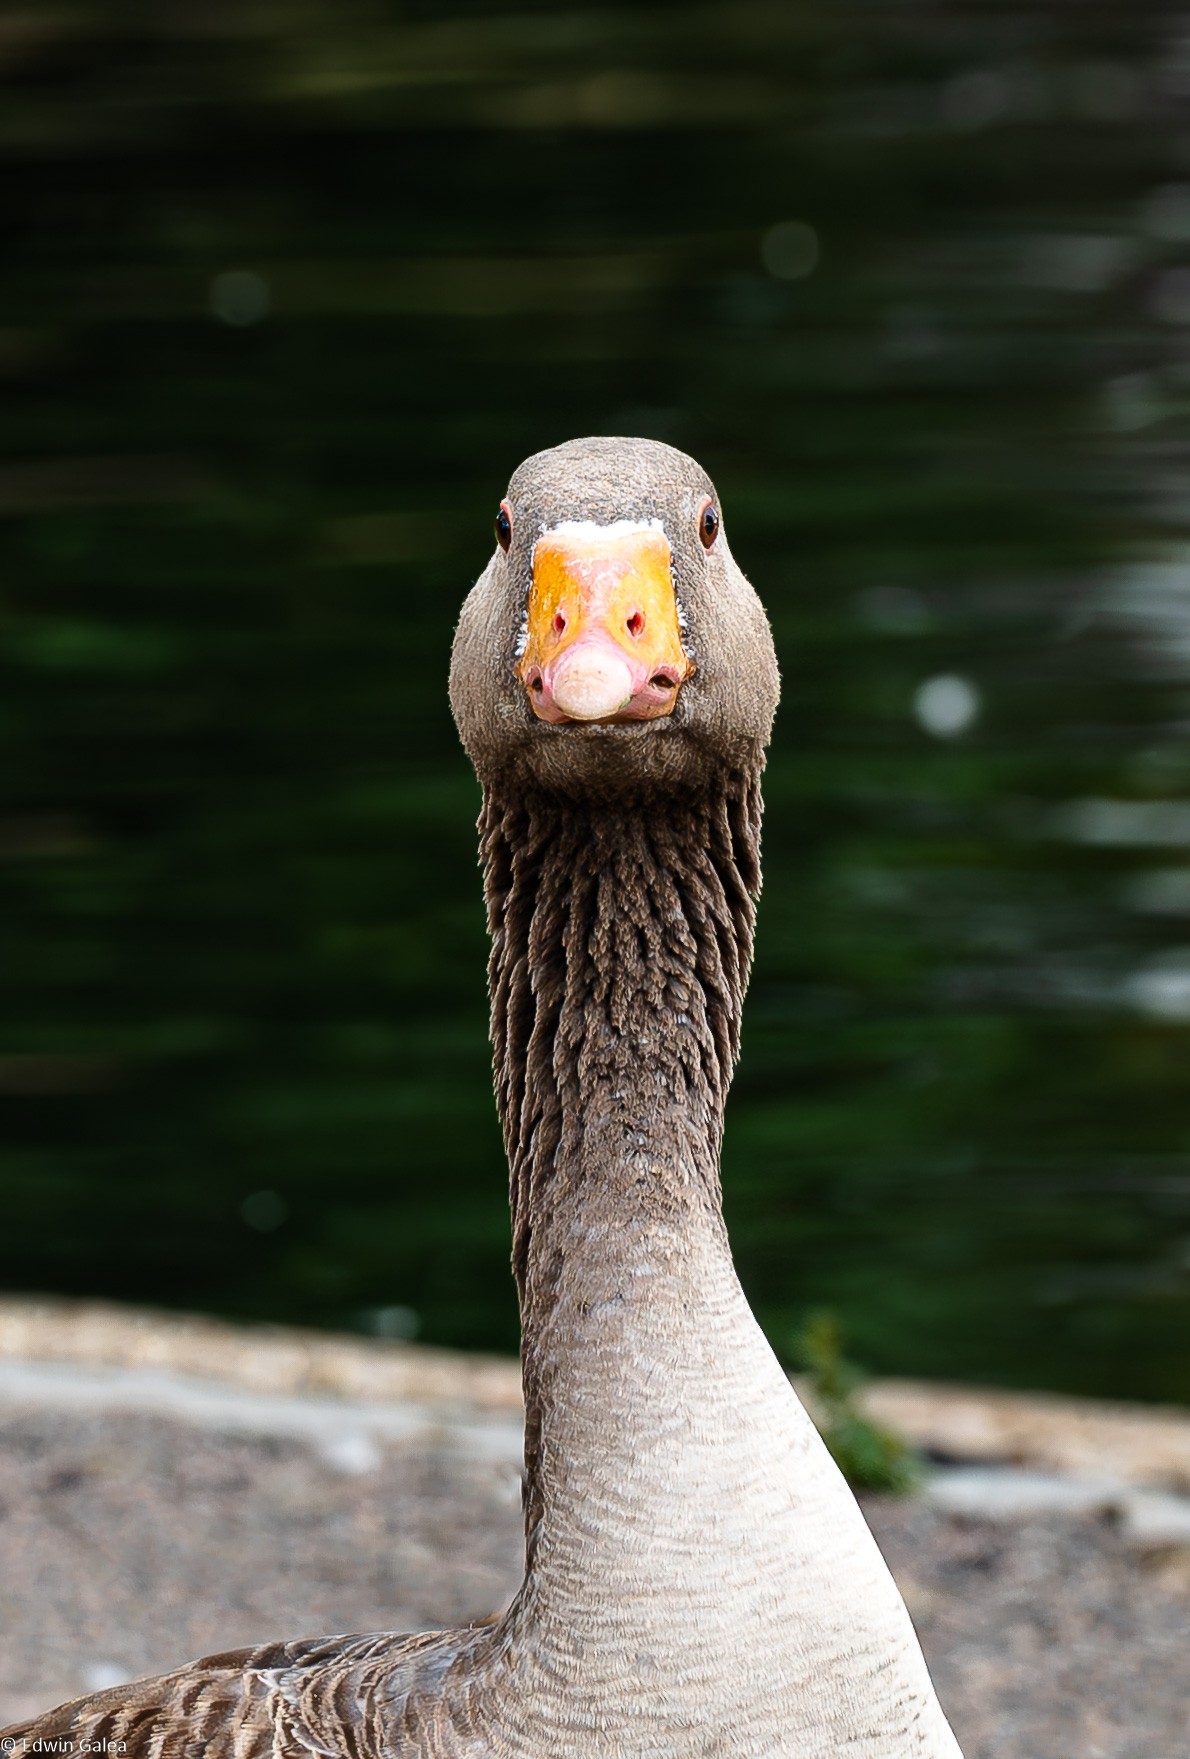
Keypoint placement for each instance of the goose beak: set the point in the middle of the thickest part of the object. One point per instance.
(604, 635)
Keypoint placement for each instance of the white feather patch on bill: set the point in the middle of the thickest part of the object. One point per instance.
(589, 529)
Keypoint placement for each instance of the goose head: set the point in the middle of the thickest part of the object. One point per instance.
(612, 645)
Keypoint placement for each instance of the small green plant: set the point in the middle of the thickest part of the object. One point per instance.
(869, 1457)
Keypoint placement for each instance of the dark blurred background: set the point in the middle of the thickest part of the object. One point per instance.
(291, 286)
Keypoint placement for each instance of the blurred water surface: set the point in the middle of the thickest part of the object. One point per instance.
(291, 288)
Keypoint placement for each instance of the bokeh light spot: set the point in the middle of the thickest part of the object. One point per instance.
(240, 297)
(946, 706)
(790, 250)
(265, 1211)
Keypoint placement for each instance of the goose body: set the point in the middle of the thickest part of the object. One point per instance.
(699, 1580)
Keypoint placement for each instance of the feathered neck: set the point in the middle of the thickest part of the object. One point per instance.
(621, 946)
(697, 1573)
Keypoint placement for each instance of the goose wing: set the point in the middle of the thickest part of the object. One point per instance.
(346, 1697)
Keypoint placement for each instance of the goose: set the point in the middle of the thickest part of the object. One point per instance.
(698, 1578)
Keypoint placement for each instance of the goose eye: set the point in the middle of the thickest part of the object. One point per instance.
(708, 524)
(504, 526)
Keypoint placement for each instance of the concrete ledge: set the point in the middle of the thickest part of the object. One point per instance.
(259, 1359)
(344, 1431)
(183, 1364)
(1080, 1438)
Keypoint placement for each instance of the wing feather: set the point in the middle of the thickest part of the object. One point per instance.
(317, 1698)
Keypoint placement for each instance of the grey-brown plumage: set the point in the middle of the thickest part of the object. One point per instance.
(698, 1579)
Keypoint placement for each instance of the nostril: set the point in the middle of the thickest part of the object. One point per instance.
(559, 623)
(661, 681)
(636, 623)
(536, 682)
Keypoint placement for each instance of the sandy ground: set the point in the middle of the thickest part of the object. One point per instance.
(1056, 1621)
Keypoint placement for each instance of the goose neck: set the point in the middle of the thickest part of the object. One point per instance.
(621, 945)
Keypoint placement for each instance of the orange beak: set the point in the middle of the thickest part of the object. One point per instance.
(603, 638)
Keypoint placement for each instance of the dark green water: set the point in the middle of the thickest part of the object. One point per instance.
(291, 289)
